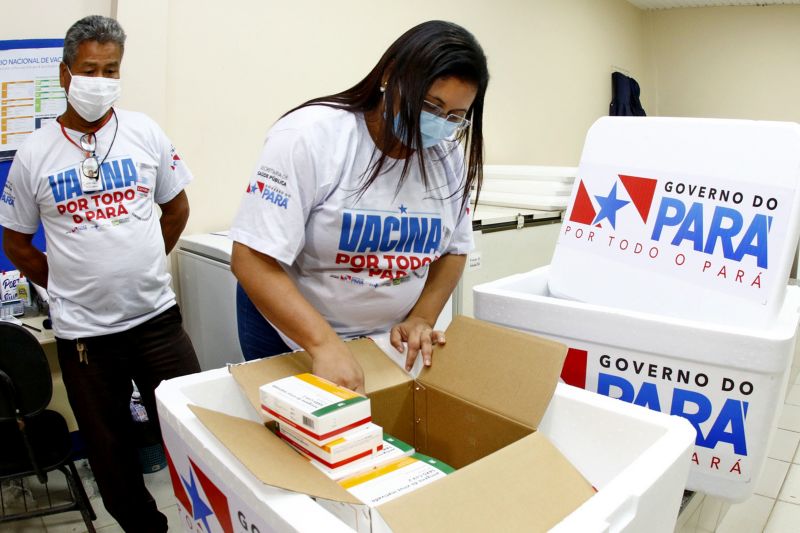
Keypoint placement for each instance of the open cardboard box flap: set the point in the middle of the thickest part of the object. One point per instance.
(505, 371)
(476, 408)
(269, 458)
(530, 486)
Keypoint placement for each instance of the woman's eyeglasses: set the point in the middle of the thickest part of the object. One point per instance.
(90, 167)
(460, 121)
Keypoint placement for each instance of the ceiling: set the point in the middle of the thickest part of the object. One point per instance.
(667, 4)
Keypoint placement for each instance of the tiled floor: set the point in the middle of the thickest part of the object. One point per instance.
(775, 504)
(158, 484)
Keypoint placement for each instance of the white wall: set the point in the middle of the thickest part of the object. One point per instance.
(47, 19)
(232, 68)
(216, 75)
(727, 62)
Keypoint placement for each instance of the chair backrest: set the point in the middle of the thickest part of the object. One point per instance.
(25, 380)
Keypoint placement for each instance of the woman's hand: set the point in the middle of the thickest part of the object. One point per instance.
(420, 337)
(335, 362)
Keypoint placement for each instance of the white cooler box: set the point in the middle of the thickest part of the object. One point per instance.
(729, 382)
(638, 460)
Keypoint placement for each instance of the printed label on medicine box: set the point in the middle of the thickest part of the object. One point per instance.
(396, 479)
(318, 408)
(724, 406)
(352, 445)
(391, 450)
(724, 235)
(205, 501)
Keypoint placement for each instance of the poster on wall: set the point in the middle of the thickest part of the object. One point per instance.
(30, 94)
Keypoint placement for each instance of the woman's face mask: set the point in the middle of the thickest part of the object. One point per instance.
(432, 128)
(92, 96)
(435, 129)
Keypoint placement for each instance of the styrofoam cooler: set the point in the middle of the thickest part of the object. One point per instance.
(728, 381)
(686, 217)
(635, 458)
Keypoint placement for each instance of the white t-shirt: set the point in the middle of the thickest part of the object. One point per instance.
(105, 251)
(360, 261)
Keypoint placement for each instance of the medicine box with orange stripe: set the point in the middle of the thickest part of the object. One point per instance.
(351, 446)
(318, 408)
(391, 449)
(396, 479)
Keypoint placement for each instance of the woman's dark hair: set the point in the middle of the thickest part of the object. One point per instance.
(425, 53)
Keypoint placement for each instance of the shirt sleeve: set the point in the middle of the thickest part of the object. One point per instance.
(173, 174)
(462, 241)
(19, 210)
(280, 194)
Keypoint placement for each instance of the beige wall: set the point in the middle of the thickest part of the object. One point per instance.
(216, 75)
(727, 62)
(232, 68)
(47, 19)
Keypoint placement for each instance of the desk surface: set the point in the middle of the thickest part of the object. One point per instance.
(44, 336)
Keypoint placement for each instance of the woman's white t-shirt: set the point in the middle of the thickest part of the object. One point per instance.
(359, 257)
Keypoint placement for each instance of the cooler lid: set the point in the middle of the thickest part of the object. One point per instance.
(490, 216)
(542, 188)
(216, 245)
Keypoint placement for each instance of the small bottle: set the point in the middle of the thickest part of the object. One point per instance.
(138, 412)
(25, 297)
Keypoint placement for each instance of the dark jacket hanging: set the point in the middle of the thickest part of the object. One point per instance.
(625, 97)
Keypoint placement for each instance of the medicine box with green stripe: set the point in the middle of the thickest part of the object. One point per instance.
(396, 478)
(316, 407)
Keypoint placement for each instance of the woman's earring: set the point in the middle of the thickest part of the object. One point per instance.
(383, 88)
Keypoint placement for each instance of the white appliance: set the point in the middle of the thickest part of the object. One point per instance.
(515, 225)
(208, 298)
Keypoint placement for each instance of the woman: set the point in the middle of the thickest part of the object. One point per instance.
(356, 218)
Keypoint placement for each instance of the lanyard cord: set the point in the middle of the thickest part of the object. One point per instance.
(116, 126)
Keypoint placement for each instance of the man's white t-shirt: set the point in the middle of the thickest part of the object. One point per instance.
(359, 257)
(105, 250)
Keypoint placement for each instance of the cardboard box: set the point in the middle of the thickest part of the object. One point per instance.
(314, 406)
(359, 443)
(635, 457)
(728, 381)
(476, 409)
(395, 479)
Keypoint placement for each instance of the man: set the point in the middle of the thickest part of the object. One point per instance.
(93, 178)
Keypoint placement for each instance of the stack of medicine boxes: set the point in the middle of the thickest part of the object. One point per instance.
(330, 425)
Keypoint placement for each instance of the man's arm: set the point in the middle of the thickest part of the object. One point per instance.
(19, 249)
(174, 215)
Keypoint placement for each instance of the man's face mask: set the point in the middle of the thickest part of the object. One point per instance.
(92, 96)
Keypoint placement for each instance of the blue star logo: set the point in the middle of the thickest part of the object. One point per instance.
(403, 209)
(200, 511)
(609, 205)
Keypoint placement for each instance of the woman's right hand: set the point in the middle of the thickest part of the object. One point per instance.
(335, 362)
(275, 295)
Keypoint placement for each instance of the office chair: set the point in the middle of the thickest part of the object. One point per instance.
(33, 439)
